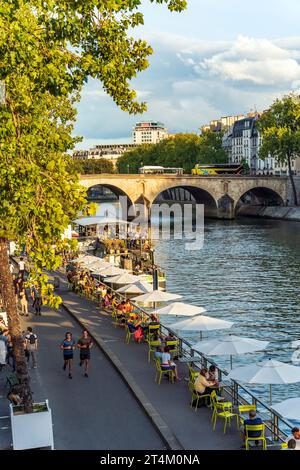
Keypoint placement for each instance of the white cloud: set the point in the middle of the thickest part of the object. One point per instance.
(254, 60)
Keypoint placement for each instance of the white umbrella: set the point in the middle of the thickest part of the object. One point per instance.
(268, 372)
(289, 408)
(124, 278)
(230, 345)
(180, 309)
(157, 296)
(201, 323)
(138, 287)
(111, 271)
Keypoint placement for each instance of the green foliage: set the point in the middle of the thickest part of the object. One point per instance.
(93, 166)
(48, 49)
(280, 130)
(181, 151)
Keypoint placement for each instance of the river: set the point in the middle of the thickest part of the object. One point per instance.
(248, 272)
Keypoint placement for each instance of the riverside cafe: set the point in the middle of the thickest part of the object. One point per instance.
(104, 227)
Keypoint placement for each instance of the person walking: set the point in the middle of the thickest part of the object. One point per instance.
(21, 267)
(31, 346)
(23, 302)
(68, 346)
(37, 300)
(85, 343)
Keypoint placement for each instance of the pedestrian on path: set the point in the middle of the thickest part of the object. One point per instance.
(85, 343)
(31, 346)
(68, 346)
(24, 302)
(37, 300)
(21, 267)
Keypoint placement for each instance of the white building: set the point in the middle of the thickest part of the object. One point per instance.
(110, 152)
(242, 142)
(149, 133)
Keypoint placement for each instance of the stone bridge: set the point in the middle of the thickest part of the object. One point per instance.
(221, 195)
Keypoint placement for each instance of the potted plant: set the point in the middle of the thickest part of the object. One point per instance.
(31, 430)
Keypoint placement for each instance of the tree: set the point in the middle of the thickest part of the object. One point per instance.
(211, 148)
(280, 130)
(93, 166)
(180, 151)
(48, 49)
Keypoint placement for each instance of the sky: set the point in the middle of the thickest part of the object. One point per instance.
(217, 58)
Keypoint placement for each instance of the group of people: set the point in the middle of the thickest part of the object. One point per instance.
(68, 347)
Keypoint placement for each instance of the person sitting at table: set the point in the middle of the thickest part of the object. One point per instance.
(253, 420)
(128, 306)
(121, 312)
(291, 445)
(296, 436)
(212, 374)
(167, 363)
(204, 386)
(159, 352)
(114, 302)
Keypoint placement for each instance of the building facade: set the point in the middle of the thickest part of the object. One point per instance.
(149, 133)
(242, 142)
(110, 152)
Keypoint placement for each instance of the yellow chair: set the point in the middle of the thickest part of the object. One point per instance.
(152, 348)
(196, 396)
(160, 372)
(193, 374)
(284, 445)
(218, 405)
(129, 334)
(153, 329)
(174, 347)
(245, 409)
(255, 427)
(117, 321)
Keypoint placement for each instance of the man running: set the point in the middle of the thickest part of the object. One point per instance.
(84, 344)
(68, 346)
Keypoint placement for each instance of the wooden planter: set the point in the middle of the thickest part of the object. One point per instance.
(31, 430)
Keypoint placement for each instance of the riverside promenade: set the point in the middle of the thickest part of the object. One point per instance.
(167, 405)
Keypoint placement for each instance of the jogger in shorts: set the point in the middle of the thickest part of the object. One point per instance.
(68, 346)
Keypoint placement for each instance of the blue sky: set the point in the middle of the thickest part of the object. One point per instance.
(216, 58)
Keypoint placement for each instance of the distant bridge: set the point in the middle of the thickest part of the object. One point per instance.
(221, 195)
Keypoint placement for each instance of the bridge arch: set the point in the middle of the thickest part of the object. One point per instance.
(115, 190)
(187, 194)
(259, 196)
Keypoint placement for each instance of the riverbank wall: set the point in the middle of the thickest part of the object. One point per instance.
(270, 212)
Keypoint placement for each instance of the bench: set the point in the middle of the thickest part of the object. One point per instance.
(11, 380)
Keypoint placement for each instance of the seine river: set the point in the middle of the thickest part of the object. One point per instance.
(248, 272)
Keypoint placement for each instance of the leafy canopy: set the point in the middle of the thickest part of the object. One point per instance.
(48, 49)
(181, 151)
(280, 129)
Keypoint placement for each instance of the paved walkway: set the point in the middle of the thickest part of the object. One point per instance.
(192, 430)
(97, 413)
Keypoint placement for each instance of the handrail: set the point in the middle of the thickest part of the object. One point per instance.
(273, 426)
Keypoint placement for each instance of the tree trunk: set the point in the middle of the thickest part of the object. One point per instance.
(292, 182)
(14, 325)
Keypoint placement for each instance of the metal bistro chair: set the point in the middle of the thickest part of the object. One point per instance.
(160, 372)
(152, 348)
(252, 428)
(152, 329)
(129, 334)
(174, 347)
(193, 374)
(223, 410)
(245, 409)
(196, 396)
(116, 321)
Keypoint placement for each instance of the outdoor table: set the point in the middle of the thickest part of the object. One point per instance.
(190, 359)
